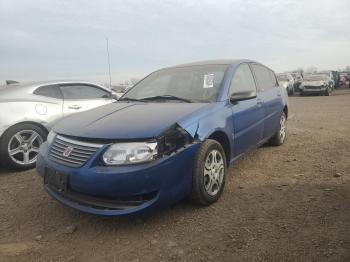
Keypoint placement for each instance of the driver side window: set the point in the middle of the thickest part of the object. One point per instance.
(243, 80)
(81, 91)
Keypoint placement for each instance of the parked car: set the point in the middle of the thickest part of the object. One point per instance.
(29, 110)
(287, 81)
(317, 83)
(331, 77)
(172, 135)
(298, 79)
(344, 77)
(336, 78)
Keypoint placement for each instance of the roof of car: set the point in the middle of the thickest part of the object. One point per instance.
(26, 89)
(51, 82)
(215, 62)
(33, 85)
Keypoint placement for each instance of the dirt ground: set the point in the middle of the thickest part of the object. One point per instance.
(288, 203)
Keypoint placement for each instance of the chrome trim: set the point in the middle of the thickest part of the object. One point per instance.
(80, 143)
(82, 151)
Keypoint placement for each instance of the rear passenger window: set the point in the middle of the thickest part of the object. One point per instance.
(265, 77)
(273, 78)
(243, 80)
(49, 91)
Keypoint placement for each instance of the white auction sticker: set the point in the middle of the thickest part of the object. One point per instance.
(208, 81)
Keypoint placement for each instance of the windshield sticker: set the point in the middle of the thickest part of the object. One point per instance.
(208, 81)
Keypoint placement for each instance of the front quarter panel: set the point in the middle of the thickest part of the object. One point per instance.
(214, 117)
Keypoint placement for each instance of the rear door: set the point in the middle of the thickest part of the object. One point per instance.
(247, 114)
(270, 94)
(81, 97)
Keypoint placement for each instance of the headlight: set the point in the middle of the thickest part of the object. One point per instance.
(50, 137)
(173, 139)
(130, 153)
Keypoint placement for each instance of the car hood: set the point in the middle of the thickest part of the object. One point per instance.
(126, 120)
(314, 83)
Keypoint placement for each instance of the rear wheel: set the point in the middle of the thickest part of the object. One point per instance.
(208, 174)
(19, 146)
(281, 134)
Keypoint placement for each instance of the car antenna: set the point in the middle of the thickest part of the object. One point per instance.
(109, 64)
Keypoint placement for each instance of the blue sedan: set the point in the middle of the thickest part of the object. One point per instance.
(173, 135)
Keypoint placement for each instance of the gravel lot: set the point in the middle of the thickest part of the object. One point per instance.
(289, 203)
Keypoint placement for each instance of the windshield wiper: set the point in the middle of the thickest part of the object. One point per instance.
(128, 99)
(167, 97)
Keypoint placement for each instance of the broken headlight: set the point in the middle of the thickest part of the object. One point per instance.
(172, 140)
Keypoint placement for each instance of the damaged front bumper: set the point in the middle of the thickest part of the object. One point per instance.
(119, 190)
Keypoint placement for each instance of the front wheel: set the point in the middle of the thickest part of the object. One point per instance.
(19, 146)
(281, 134)
(327, 92)
(209, 173)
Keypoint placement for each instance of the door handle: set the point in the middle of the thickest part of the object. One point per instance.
(75, 107)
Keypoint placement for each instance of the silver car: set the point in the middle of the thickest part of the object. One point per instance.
(28, 111)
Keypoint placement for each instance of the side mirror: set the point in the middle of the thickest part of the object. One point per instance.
(240, 96)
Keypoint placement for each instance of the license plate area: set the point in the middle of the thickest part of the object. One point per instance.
(56, 180)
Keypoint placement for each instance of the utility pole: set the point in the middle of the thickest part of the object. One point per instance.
(109, 64)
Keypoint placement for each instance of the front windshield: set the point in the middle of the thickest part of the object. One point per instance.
(315, 77)
(190, 83)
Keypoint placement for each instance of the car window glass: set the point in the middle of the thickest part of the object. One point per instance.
(83, 92)
(196, 83)
(263, 77)
(242, 80)
(273, 78)
(49, 91)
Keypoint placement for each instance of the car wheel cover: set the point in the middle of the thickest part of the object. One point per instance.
(23, 147)
(283, 128)
(213, 172)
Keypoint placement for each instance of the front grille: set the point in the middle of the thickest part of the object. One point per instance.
(313, 87)
(80, 152)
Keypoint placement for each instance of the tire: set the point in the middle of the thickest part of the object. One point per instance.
(327, 92)
(208, 181)
(280, 136)
(25, 139)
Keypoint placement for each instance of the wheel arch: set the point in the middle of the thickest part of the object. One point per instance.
(28, 122)
(222, 138)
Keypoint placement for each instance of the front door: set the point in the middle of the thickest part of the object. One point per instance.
(247, 114)
(81, 97)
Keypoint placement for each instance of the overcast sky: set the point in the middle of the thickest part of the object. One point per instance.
(64, 39)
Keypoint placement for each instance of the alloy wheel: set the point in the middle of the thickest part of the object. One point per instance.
(213, 172)
(283, 128)
(23, 147)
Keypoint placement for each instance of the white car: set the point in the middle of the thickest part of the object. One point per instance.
(28, 112)
(287, 81)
